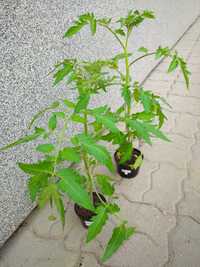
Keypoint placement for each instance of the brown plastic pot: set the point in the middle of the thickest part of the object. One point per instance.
(85, 215)
(124, 169)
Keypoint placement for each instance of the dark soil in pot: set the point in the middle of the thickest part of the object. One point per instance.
(86, 215)
(124, 169)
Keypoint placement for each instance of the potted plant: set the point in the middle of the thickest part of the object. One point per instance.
(149, 118)
(93, 192)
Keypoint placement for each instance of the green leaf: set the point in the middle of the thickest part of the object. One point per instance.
(105, 186)
(162, 52)
(140, 130)
(155, 131)
(137, 163)
(54, 105)
(173, 65)
(77, 118)
(112, 208)
(71, 154)
(59, 114)
(98, 222)
(45, 148)
(73, 30)
(126, 94)
(125, 150)
(82, 102)
(147, 100)
(148, 14)
(74, 190)
(143, 49)
(108, 121)
(76, 176)
(52, 124)
(35, 184)
(120, 32)
(119, 235)
(62, 73)
(38, 132)
(69, 103)
(46, 195)
(93, 26)
(59, 205)
(98, 151)
(185, 71)
(42, 167)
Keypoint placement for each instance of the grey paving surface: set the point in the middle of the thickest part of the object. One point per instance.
(163, 201)
(31, 43)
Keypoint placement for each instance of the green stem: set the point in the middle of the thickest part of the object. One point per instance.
(115, 35)
(85, 157)
(127, 107)
(137, 59)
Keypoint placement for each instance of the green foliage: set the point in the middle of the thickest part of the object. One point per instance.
(45, 148)
(74, 190)
(143, 49)
(85, 19)
(41, 167)
(119, 235)
(67, 67)
(36, 184)
(98, 222)
(28, 138)
(70, 154)
(99, 152)
(104, 184)
(52, 124)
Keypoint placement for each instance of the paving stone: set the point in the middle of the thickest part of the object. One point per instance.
(185, 244)
(186, 125)
(152, 227)
(158, 87)
(165, 190)
(27, 250)
(89, 261)
(190, 205)
(176, 152)
(134, 188)
(180, 89)
(187, 104)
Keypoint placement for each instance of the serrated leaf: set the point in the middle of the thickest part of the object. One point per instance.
(119, 235)
(71, 154)
(98, 222)
(185, 71)
(126, 94)
(125, 150)
(120, 32)
(45, 148)
(140, 130)
(59, 114)
(46, 195)
(69, 103)
(74, 190)
(93, 25)
(78, 118)
(35, 184)
(39, 114)
(28, 138)
(137, 163)
(112, 208)
(52, 124)
(99, 152)
(105, 186)
(59, 205)
(143, 49)
(42, 167)
(73, 30)
(155, 131)
(62, 73)
(173, 65)
(108, 122)
(82, 102)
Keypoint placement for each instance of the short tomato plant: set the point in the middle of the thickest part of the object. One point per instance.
(51, 178)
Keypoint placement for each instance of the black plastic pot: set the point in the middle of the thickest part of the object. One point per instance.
(85, 215)
(124, 169)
